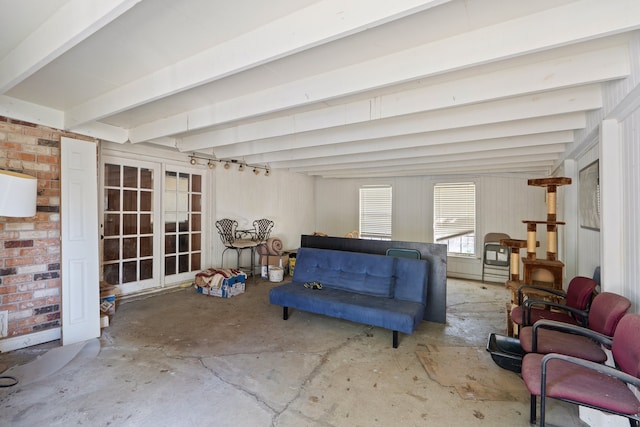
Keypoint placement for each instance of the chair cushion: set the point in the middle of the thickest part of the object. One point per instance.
(244, 244)
(606, 311)
(626, 345)
(367, 274)
(579, 292)
(550, 341)
(572, 382)
(537, 314)
(388, 313)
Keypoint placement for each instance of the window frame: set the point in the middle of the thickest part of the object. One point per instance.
(462, 211)
(372, 223)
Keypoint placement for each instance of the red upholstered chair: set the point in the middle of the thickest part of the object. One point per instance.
(573, 311)
(587, 383)
(547, 336)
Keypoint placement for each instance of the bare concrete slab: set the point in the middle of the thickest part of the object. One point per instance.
(185, 359)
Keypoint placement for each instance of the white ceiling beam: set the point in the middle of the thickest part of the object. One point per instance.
(534, 141)
(527, 35)
(71, 24)
(320, 23)
(103, 131)
(481, 152)
(165, 142)
(548, 160)
(32, 113)
(541, 171)
(519, 168)
(37, 114)
(536, 76)
(441, 139)
(540, 160)
(527, 132)
(318, 143)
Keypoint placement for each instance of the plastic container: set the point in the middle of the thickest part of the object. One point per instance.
(506, 352)
(292, 263)
(276, 274)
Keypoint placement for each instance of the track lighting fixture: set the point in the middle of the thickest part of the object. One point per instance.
(227, 163)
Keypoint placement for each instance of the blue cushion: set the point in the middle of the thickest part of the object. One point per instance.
(412, 278)
(350, 271)
(396, 315)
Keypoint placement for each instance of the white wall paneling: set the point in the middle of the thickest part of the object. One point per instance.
(567, 210)
(502, 202)
(611, 207)
(630, 140)
(589, 259)
(283, 197)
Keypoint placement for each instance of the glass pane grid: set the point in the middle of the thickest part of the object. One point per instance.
(182, 207)
(128, 251)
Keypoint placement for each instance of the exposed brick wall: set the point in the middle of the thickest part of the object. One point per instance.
(30, 284)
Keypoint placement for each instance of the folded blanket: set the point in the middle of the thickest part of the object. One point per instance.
(273, 246)
(213, 277)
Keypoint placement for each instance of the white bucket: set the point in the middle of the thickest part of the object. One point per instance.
(276, 274)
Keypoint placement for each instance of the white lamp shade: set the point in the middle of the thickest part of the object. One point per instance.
(17, 194)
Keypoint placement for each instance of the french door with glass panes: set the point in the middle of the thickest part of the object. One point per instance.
(131, 229)
(152, 224)
(182, 208)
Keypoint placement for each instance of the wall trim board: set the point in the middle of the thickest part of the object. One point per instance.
(28, 340)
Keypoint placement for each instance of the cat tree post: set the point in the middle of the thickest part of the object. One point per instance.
(530, 264)
(514, 265)
(551, 185)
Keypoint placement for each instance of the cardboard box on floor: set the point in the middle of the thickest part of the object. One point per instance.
(107, 301)
(274, 260)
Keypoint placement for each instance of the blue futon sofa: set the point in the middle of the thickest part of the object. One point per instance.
(377, 290)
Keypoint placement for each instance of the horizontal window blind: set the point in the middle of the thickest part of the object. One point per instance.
(375, 212)
(454, 210)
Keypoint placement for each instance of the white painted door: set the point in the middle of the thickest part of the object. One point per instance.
(79, 235)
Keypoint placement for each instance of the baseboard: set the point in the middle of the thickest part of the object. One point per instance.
(464, 276)
(28, 340)
(149, 292)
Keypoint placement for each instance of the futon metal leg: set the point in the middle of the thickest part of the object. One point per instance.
(285, 313)
(395, 339)
(532, 413)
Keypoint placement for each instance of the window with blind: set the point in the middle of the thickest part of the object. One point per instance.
(375, 212)
(454, 213)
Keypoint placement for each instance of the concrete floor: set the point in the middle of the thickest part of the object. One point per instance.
(184, 359)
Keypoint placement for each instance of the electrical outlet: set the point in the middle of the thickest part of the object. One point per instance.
(4, 320)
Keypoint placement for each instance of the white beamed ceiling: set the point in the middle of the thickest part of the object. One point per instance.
(333, 88)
